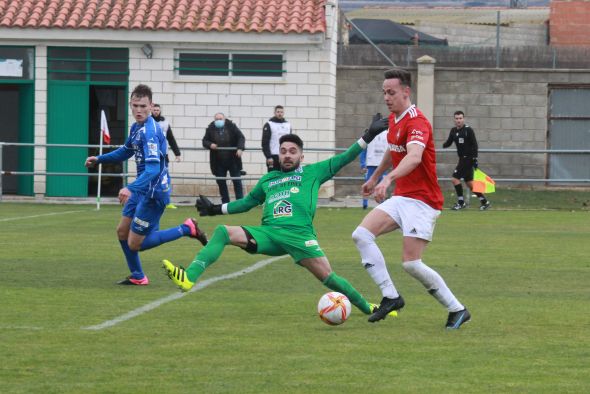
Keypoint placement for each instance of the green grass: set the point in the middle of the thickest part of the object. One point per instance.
(523, 274)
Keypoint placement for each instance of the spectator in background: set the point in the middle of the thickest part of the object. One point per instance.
(167, 130)
(275, 128)
(165, 126)
(464, 138)
(371, 157)
(223, 133)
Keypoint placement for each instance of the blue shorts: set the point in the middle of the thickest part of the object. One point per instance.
(145, 211)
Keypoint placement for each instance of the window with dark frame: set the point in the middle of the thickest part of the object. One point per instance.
(230, 64)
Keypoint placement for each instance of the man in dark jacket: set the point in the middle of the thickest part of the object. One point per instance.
(223, 133)
(464, 138)
(275, 128)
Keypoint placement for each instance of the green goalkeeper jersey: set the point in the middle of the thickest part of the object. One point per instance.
(290, 198)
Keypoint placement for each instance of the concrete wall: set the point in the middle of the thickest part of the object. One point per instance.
(521, 34)
(508, 109)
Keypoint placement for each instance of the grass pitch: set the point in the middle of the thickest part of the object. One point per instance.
(523, 274)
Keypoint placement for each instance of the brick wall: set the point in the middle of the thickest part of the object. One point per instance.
(568, 23)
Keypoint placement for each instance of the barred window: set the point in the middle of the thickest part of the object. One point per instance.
(230, 64)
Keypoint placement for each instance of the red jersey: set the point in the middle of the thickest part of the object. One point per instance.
(412, 127)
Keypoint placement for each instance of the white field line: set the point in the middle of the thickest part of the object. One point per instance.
(38, 216)
(199, 286)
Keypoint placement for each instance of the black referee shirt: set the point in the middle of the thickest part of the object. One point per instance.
(464, 139)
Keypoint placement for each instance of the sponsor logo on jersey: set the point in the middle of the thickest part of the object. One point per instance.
(294, 189)
(141, 223)
(416, 132)
(296, 178)
(282, 208)
(311, 242)
(461, 140)
(397, 148)
(279, 196)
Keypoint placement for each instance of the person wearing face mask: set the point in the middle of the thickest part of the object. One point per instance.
(223, 133)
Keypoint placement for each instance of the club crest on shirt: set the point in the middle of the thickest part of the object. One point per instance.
(294, 189)
(282, 208)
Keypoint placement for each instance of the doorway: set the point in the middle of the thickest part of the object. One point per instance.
(113, 101)
(16, 112)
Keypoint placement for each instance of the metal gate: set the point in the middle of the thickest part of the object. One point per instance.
(569, 128)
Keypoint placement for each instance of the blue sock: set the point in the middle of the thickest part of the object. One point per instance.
(157, 238)
(133, 261)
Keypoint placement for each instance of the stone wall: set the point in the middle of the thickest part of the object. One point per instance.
(508, 108)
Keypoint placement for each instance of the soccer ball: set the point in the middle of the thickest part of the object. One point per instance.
(334, 308)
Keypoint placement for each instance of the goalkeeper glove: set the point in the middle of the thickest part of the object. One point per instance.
(378, 125)
(206, 207)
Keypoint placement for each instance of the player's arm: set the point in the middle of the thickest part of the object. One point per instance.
(412, 160)
(151, 153)
(449, 140)
(252, 199)
(142, 183)
(118, 155)
(383, 166)
(330, 167)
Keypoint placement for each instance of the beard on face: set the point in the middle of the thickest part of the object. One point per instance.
(295, 164)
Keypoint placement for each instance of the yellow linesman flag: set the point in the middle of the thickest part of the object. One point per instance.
(482, 183)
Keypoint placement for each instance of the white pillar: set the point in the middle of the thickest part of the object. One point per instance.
(425, 86)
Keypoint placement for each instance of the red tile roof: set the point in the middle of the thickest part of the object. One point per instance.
(285, 16)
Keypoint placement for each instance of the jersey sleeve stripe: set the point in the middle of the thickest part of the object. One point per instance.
(416, 142)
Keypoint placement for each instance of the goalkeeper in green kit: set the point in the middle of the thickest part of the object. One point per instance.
(289, 197)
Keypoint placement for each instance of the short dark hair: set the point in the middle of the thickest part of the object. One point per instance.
(156, 105)
(294, 138)
(279, 107)
(404, 76)
(142, 91)
(458, 113)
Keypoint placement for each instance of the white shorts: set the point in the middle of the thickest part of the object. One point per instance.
(414, 217)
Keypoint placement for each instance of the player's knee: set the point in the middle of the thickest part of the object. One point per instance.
(134, 245)
(362, 236)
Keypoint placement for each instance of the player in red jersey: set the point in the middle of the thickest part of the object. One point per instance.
(414, 207)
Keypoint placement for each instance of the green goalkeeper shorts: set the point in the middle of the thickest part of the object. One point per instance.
(277, 241)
